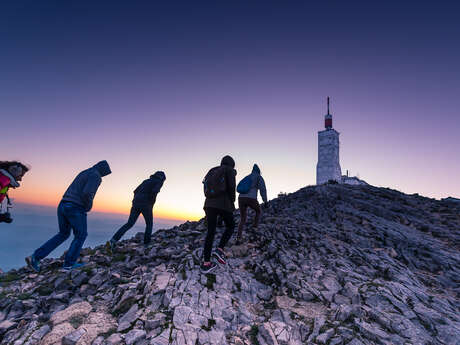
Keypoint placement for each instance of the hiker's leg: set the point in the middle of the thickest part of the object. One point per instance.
(133, 215)
(243, 211)
(229, 227)
(77, 219)
(211, 216)
(256, 207)
(147, 212)
(54, 242)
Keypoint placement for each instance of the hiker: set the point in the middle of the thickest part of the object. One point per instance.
(76, 202)
(11, 173)
(219, 189)
(248, 188)
(144, 198)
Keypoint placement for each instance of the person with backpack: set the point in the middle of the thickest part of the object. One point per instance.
(145, 196)
(248, 188)
(11, 173)
(219, 189)
(72, 210)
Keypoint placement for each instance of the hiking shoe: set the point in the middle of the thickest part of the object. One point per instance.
(207, 268)
(220, 255)
(33, 263)
(74, 266)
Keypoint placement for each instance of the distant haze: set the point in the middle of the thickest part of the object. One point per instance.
(155, 85)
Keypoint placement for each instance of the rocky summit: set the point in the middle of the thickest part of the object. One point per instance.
(331, 264)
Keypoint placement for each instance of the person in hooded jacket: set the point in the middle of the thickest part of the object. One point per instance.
(11, 173)
(144, 198)
(222, 205)
(72, 210)
(249, 199)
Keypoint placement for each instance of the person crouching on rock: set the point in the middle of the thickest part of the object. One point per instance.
(11, 173)
(219, 189)
(76, 202)
(248, 188)
(144, 198)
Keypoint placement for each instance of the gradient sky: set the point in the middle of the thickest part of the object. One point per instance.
(174, 86)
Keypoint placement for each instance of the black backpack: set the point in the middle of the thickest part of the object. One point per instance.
(214, 183)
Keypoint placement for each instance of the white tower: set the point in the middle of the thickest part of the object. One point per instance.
(328, 167)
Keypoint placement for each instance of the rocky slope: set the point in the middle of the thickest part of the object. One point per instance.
(328, 265)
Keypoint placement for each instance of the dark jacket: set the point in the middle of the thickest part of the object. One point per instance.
(146, 193)
(84, 187)
(225, 201)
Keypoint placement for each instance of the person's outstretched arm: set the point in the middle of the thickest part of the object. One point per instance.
(90, 189)
(156, 187)
(263, 189)
(231, 184)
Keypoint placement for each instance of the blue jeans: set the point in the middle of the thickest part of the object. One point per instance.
(70, 216)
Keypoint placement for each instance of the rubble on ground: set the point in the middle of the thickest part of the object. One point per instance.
(332, 264)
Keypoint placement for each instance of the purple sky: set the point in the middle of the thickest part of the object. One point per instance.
(174, 87)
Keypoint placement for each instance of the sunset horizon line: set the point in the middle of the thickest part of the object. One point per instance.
(159, 215)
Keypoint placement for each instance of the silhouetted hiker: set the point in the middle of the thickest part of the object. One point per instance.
(145, 196)
(248, 188)
(11, 174)
(219, 189)
(76, 202)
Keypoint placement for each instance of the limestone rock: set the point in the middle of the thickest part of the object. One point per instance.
(73, 338)
(332, 264)
(76, 310)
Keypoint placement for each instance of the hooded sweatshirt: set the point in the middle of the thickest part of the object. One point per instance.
(84, 187)
(146, 193)
(258, 184)
(225, 201)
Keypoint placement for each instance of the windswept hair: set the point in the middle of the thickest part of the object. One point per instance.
(7, 164)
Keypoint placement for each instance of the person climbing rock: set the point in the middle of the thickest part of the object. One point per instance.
(248, 188)
(219, 189)
(72, 210)
(144, 198)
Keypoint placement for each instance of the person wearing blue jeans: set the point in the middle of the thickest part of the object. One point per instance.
(72, 210)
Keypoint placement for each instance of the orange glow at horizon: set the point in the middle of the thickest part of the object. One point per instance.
(121, 207)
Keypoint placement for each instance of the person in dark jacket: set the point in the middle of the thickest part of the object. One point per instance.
(222, 205)
(144, 198)
(76, 202)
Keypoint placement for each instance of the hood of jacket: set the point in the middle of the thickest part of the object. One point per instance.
(256, 169)
(228, 161)
(160, 175)
(103, 168)
(13, 182)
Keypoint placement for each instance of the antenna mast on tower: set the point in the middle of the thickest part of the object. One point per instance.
(328, 117)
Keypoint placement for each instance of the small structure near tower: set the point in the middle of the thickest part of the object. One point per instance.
(328, 167)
